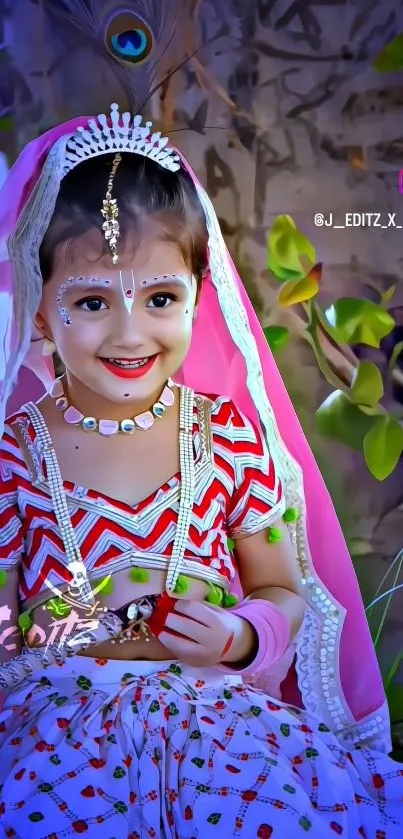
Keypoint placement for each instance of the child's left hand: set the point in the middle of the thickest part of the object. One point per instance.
(207, 634)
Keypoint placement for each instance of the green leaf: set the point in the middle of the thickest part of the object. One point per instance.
(383, 446)
(277, 337)
(367, 387)
(36, 817)
(341, 420)
(214, 818)
(298, 291)
(355, 321)
(290, 254)
(391, 57)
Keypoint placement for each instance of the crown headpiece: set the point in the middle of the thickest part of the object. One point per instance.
(119, 133)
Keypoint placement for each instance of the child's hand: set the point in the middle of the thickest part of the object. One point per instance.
(207, 634)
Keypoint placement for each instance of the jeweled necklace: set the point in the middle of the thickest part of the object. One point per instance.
(106, 427)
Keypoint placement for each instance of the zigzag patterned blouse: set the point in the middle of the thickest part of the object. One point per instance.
(238, 495)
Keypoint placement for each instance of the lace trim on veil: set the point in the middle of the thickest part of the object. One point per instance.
(319, 639)
(318, 642)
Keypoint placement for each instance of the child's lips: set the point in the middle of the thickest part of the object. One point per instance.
(133, 369)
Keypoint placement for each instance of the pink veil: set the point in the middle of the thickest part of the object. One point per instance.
(336, 675)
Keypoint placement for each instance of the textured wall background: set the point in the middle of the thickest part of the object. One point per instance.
(279, 111)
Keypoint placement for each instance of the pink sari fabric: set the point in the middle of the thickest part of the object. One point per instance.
(217, 366)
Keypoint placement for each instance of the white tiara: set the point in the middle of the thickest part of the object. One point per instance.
(119, 133)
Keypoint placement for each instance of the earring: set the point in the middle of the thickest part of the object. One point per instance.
(48, 347)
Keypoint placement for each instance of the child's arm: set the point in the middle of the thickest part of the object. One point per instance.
(270, 571)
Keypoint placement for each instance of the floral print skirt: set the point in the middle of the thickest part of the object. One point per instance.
(131, 750)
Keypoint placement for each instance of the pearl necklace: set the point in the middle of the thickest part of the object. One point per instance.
(106, 427)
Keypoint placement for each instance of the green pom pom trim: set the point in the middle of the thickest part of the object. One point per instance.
(215, 595)
(291, 516)
(58, 608)
(230, 600)
(274, 535)
(3, 579)
(231, 545)
(182, 584)
(107, 586)
(139, 575)
(25, 621)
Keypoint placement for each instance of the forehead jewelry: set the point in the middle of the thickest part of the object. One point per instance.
(128, 292)
(110, 212)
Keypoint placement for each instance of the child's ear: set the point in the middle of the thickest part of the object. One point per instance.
(41, 325)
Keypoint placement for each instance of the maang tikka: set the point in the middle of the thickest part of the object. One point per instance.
(110, 212)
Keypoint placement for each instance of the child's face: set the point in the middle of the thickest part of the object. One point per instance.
(141, 309)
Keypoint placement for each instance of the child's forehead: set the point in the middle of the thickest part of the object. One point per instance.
(87, 255)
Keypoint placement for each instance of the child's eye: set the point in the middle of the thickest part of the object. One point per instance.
(91, 304)
(161, 301)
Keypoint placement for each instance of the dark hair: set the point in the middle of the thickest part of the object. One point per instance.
(143, 190)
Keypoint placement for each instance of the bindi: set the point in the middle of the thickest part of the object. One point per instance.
(71, 282)
(127, 286)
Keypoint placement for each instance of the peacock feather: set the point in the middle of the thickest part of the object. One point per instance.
(65, 58)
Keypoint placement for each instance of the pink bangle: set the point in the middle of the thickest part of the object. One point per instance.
(273, 631)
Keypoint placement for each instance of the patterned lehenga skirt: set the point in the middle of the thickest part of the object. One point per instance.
(117, 749)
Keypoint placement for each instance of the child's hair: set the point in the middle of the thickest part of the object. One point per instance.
(143, 189)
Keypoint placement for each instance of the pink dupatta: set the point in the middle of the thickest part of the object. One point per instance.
(336, 674)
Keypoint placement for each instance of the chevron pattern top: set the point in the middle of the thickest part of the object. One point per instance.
(237, 494)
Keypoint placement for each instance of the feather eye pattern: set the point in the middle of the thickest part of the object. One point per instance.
(131, 32)
(132, 45)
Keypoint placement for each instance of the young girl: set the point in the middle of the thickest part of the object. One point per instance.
(148, 484)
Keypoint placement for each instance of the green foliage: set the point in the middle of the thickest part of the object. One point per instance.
(367, 387)
(354, 413)
(290, 254)
(383, 446)
(355, 321)
(340, 419)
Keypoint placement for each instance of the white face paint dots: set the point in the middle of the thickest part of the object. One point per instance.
(70, 283)
(126, 282)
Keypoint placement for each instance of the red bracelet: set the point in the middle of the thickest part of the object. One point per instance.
(165, 605)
